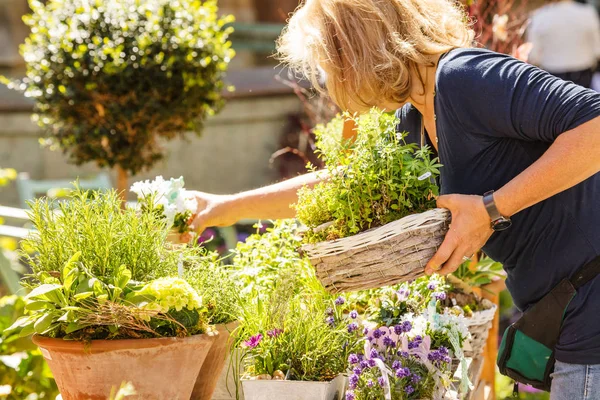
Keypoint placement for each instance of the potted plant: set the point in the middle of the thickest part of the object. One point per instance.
(105, 303)
(408, 360)
(111, 81)
(221, 297)
(447, 296)
(373, 221)
(298, 347)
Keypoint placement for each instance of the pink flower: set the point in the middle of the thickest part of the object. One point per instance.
(253, 341)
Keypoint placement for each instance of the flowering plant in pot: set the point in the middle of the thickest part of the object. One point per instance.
(407, 360)
(104, 302)
(449, 296)
(296, 347)
(377, 203)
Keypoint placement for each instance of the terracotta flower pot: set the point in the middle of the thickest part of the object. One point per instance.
(159, 369)
(211, 369)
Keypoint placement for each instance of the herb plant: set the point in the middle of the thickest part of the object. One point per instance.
(77, 305)
(112, 78)
(485, 272)
(215, 283)
(263, 258)
(306, 336)
(372, 181)
(107, 237)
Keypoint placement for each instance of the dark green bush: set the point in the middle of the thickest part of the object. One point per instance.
(112, 77)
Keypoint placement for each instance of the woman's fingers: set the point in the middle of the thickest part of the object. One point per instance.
(443, 254)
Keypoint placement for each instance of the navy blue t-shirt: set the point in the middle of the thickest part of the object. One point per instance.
(495, 116)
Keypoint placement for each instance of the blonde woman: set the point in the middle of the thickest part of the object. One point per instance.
(496, 123)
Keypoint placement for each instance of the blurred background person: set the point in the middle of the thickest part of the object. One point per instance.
(565, 39)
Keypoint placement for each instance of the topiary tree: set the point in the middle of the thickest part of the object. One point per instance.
(111, 78)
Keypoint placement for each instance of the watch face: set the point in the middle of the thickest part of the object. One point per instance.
(502, 224)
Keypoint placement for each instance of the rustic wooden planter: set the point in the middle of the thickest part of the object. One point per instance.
(393, 253)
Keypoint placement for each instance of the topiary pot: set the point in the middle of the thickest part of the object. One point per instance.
(159, 369)
(212, 368)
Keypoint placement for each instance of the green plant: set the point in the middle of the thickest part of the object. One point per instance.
(23, 372)
(263, 258)
(374, 180)
(111, 79)
(215, 283)
(107, 237)
(77, 305)
(484, 272)
(306, 336)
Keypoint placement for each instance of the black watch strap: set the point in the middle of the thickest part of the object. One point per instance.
(490, 206)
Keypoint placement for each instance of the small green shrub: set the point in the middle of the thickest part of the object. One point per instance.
(263, 258)
(93, 224)
(112, 77)
(372, 181)
(215, 283)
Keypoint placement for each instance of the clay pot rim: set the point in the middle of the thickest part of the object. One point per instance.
(101, 346)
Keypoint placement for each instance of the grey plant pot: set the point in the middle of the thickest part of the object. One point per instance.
(294, 390)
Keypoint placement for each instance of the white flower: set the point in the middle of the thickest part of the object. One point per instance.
(169, 194)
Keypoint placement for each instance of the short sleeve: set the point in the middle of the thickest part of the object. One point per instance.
(494, 94)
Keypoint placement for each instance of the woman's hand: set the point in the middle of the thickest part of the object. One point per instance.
(213, 210)
(469, 230)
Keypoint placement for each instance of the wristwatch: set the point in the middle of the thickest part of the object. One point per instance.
(499, 223)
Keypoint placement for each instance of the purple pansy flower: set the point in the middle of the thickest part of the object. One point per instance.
(409, 389)
(353, 314)
(377, 333)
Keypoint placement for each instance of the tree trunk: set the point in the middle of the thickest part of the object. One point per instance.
(122, 184)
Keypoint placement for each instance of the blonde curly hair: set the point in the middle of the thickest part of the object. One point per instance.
(364, 51)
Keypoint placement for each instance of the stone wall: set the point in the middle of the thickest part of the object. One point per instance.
(231, 155)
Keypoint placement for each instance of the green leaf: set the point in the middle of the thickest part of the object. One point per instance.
(70, 265)
(38, 305)
(83, 296)
(74, 326)
(123, 277)
(43, 323)
(43, 291)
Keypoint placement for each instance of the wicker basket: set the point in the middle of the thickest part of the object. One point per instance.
(479, 327)
(393, 253)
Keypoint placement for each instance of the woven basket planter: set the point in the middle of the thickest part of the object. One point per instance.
(479, 327)
(390, 254)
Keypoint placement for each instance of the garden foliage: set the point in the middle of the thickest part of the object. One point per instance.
(110, 78)
(372, 181)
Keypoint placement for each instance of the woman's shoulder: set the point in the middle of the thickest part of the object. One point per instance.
(472, 72)
(463, 63)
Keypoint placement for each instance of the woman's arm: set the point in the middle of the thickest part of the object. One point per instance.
(572, 158)
(269, 202)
